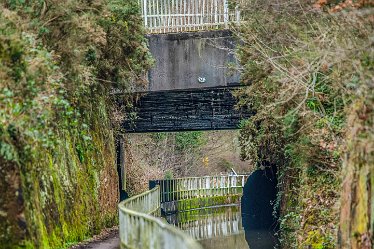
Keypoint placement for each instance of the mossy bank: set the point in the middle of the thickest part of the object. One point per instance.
(58, 63)
(309, 70)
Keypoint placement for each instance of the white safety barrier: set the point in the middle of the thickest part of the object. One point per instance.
(206, 186)
(166, 16)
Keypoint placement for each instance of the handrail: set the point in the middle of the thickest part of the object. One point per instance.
(167, 16)
(147, 202)
(206, 186)
(139, 230)
(198, 177)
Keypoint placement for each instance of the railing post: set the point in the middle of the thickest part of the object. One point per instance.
(226, 13)
(145, 13)
(216, 12)
(237, 12)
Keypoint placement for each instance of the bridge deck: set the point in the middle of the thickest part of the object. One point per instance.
(185, 110)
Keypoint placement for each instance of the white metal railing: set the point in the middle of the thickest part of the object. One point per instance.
(206, 186)
(138, 229)
(165, 16)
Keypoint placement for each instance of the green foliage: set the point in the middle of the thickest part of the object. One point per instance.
(159, 136)
(58, 62)
(131, 57)
(110, 50)
(184, 141)
(168, 175)
(29, 93)
(261, 141)
(188, 140)
(301, 97)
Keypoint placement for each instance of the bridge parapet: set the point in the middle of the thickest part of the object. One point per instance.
(193, 60)
(171, 16)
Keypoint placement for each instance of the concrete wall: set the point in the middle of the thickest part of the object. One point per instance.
(182, 58)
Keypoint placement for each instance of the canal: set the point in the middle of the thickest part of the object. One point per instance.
(223, 227)
(250, 225)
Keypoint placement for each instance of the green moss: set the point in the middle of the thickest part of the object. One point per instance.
(55, 127)
(64, 191)
(315, 240)
(300, 120)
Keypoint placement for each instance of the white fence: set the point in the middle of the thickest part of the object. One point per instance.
(206, 186)
(166, 16)
(139, 230)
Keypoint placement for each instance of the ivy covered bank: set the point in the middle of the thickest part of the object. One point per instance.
(59, 61)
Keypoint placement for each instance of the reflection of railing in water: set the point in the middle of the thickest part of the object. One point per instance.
(138, 229)
(195, 192)
(209, 224)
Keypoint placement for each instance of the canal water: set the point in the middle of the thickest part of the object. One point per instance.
(222, 228)
(250, 225)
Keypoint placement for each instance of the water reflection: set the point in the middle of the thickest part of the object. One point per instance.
(209, 223)
(250, 225)
(221, 227)
(260, 239)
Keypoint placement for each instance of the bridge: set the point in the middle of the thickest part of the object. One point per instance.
(190, 87)
(192, 82)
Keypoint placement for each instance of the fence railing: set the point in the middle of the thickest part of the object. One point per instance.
(165, 16)
(207, 186)
(138, 229)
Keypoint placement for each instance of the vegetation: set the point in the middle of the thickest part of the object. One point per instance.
(180, 154)
(309, 70)
(310, 74)
(59, 62)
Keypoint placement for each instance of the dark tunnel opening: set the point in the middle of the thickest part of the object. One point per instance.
(258, 214)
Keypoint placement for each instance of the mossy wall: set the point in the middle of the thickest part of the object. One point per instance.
(309, 70)
(59, 61)
(64, 195)
(357, 200)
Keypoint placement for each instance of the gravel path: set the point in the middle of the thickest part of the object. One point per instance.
(108, 239)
